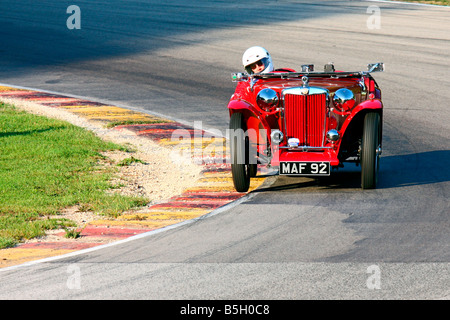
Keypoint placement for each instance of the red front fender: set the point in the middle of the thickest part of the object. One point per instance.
(373, 104)
(255, 123)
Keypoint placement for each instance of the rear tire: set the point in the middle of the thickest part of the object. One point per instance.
(370, 143)
(239, 145)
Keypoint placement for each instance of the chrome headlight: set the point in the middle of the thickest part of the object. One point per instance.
(344, 99)
(267, 99)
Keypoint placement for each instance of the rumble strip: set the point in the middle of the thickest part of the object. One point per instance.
(215, 188)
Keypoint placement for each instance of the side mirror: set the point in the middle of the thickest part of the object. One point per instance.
(239, 76)
(375, 67)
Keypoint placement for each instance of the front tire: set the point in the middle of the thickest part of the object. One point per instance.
(370, 143)
(239, 146)
(253, 170)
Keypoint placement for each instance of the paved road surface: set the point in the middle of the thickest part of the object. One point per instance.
(296, 238)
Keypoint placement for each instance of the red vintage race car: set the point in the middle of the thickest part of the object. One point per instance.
(305, 123)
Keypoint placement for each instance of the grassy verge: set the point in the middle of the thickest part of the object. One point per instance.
(47, 165)
(131, 122)
(439, 2)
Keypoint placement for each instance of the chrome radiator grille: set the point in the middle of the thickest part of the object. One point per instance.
(305, 118)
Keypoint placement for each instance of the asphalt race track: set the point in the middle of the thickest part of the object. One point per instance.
(295, 238)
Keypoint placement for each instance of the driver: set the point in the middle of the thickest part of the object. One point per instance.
(257, 60)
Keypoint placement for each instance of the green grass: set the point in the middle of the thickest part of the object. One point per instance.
(113, 124)
(439, 2)
(47, 165)
(128, 161)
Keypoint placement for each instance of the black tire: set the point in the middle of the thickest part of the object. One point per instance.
(239, 153)
(370, 143)
(253, 170)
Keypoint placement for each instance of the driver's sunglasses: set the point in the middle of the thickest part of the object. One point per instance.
(256, 64)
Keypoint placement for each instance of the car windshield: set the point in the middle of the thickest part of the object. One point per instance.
(308, 74)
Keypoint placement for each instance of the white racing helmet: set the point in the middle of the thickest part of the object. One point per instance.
(257, 55)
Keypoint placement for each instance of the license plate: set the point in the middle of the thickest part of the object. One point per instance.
(305, 168)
